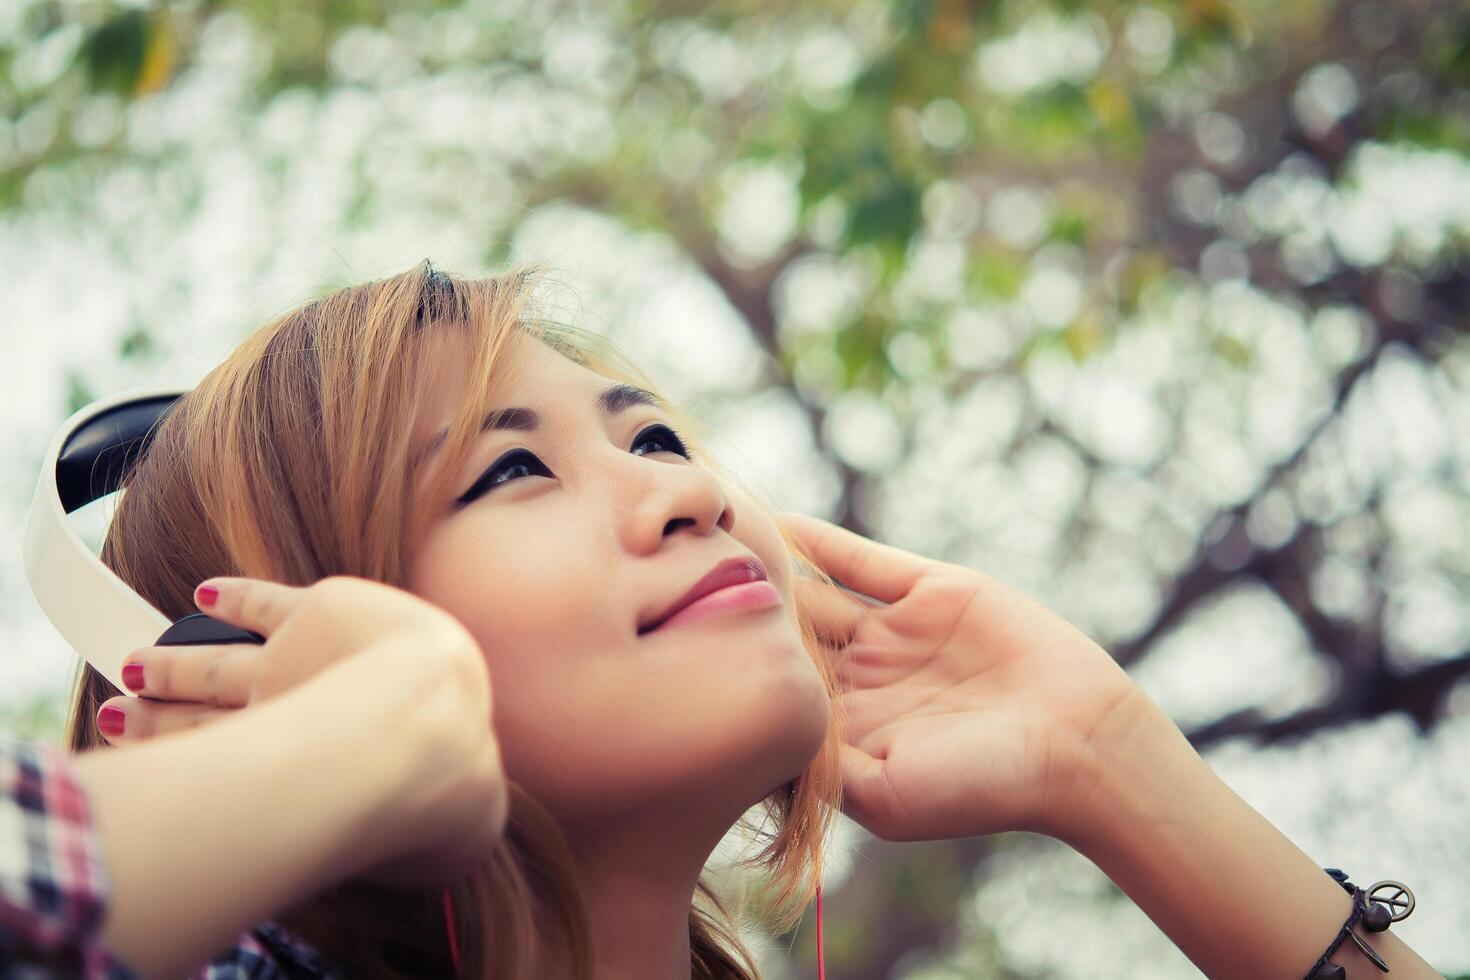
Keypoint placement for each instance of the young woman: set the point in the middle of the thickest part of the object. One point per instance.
(424, 432)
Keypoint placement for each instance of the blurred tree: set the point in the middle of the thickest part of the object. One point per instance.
(1042, 190)
(37, 717)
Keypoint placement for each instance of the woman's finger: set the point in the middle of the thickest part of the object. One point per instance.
(253, 603)
(218, 674)
(125, 720)
(867, 796)
(879, 570)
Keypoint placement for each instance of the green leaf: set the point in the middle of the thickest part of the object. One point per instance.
(79, 393)
(114, 53)
(136, 344)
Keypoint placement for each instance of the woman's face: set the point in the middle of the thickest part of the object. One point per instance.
(596, 528)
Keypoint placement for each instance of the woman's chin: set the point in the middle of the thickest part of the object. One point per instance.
(797, 716)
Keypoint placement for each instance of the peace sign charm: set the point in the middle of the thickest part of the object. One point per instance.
(1399, 900)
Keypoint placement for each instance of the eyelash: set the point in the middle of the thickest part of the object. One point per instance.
(486, 481)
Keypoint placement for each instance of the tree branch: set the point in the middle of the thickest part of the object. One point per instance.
(1420, 694)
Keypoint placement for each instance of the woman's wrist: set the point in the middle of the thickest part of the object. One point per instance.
(1116, 774)
(206, 833)
(1232, 892)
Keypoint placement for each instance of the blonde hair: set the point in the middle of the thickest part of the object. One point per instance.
(291, 461)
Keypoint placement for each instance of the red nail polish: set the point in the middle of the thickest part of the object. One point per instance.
(111, 720)
(132, 675)
(207, 595)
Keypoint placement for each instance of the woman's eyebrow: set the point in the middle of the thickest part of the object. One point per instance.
(610, 401)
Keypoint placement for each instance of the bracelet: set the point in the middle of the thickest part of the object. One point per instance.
(1376, 910)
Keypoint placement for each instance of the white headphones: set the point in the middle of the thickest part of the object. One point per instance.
(94, 610)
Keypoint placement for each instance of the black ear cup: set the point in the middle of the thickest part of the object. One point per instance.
(198, 628)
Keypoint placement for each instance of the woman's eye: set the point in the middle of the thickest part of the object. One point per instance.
(506, 468)
(500, 472)
(669, 439)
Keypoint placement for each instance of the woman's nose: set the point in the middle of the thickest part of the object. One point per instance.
(688, 496)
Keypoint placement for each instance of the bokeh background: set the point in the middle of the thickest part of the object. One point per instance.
(1156, 310)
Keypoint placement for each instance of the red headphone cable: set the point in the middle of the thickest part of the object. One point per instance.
(449, 924)
(821, 966)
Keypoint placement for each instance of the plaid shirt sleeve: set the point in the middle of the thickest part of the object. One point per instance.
(54, 887)
(268, 952)
(53, 883)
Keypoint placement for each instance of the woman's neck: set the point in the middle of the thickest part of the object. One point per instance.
(640, 882)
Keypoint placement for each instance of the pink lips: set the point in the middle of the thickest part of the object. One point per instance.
(728, 573)
(747, 595)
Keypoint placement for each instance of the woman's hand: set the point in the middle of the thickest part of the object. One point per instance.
(972, 709)
(315, 626)
(407, 676)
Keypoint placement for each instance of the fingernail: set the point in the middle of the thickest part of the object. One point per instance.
(207, 594)
(132, 675)
(111, 720)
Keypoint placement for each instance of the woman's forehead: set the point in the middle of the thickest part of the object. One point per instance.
(534, 375)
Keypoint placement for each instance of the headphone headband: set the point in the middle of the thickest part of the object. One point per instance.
(94, 610)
